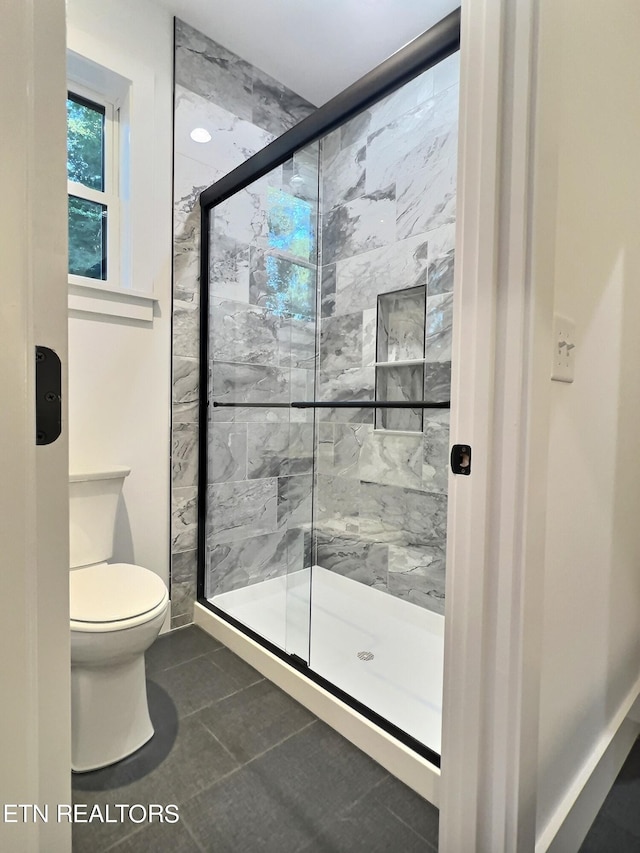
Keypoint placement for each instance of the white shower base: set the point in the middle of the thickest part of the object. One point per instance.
(402, 681)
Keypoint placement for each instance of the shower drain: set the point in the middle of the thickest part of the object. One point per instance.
(365, 655)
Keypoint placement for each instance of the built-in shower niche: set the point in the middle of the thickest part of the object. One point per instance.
(400, 357)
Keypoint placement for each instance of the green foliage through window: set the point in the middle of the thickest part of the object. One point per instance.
(85, 165)
(87, 238)
(85, 143)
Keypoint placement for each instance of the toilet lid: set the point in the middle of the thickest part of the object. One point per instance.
(113, 592)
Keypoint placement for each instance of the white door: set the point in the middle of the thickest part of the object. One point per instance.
(34, 608)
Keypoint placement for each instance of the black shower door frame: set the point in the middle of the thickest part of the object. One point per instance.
(430, 48)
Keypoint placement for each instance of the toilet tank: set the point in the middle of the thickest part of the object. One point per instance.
(93, 502)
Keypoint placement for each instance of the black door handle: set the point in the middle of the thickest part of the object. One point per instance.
(48, 396)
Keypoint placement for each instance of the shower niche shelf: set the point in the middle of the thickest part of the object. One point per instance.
(400, 358)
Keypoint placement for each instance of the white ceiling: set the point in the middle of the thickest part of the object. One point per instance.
(315, 47)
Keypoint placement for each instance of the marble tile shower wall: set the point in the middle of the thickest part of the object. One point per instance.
(263, 350)
(388, 209)
(244, 109)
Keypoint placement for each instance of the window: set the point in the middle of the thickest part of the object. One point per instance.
(92, 173)
(112, 181)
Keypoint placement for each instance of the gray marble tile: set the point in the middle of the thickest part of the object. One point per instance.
(297, 343)
(234, 565)
(328, 290)
(366, 223)
(205, 67)
(284, 285)
(337, 503)
(279, 450)
(401, 324)
(348, 415)
(227, 451)
(343, 175)
(403, 100)
(237, 510)
(275, 107)
(325, 437)
(295, 502)
(350, 441)
(184, 457)
(426, 199)
(352, 557)
(249, 383)
(228, 268)
(184, 577)
(418, 576)
(305, 165)
(340, 343)
(233, 139)
(243, 333)
(440, 273)
(185, 413)
(394, 460)
(437, 381)
(402, 384)
(186, 329)
(184, 518)
(447, 72)
(243, 216)
(413, 141)
(183, 596)
(369, 337)
(435, 467)
(401, 516)
(355, 130)
(353, 383)
(439, 327)
(360, 279)
(268, 450)
(184, 567)
(186, 264)
(185, 380)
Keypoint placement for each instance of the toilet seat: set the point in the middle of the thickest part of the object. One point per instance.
(114, 597)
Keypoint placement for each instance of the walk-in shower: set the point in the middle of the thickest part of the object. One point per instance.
(327, 290)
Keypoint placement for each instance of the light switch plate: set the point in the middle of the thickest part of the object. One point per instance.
(564, 342)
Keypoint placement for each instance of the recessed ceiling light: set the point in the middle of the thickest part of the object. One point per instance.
(199, 134)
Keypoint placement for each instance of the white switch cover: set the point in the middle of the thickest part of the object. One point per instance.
(564, 342)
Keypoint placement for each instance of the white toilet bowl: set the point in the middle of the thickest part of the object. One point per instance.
(117, 611)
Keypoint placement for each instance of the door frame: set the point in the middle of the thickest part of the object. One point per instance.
(34, 501)
(500, 370)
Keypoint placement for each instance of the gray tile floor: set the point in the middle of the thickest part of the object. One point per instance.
(250, 770)
(617, 827)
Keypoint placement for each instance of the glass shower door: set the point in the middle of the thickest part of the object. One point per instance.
(262, 332)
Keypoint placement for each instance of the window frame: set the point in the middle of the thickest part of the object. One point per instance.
(110, 197)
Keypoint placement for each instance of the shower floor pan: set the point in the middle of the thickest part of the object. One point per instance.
(381, 650)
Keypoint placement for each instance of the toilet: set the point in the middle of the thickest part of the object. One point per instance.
(116, 611)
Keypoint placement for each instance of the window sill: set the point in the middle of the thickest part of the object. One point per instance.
(90, 298)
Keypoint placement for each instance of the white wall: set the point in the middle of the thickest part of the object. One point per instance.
(120, 369)
(589, 116)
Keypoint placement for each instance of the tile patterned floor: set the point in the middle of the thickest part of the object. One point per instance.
(250, 770)
(617, 827)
